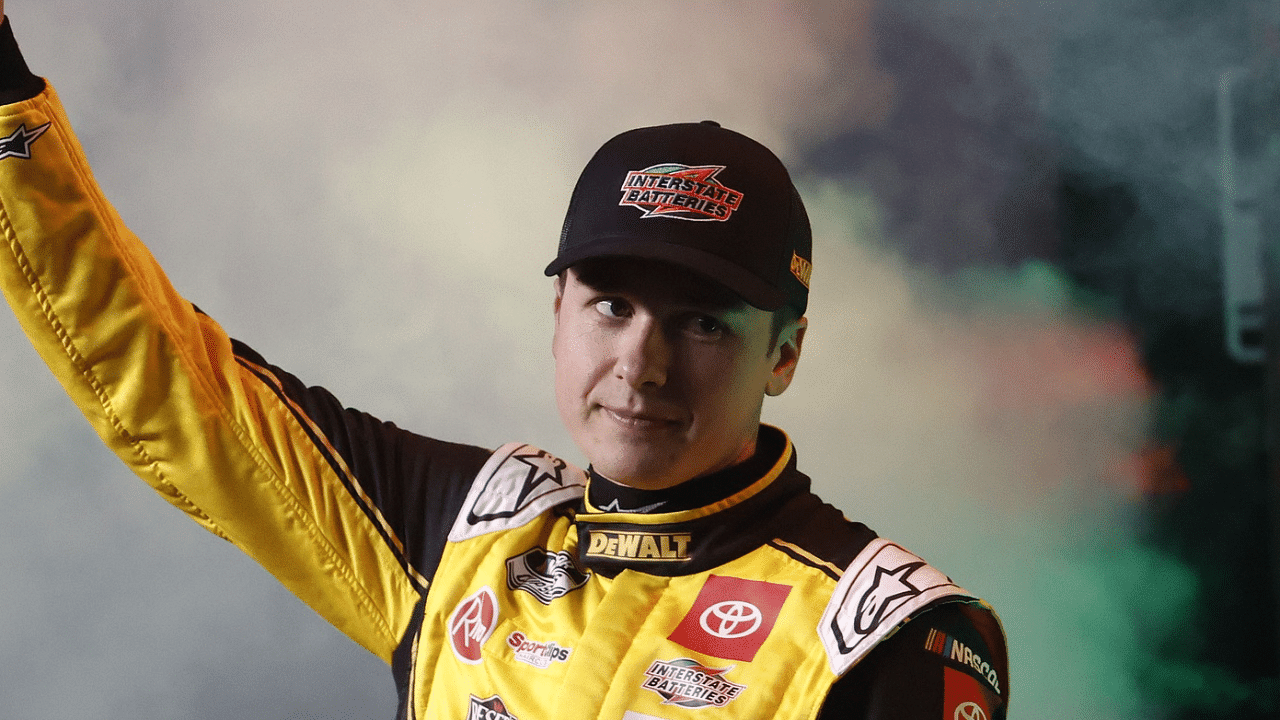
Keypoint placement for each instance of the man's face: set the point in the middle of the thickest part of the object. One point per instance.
(660, 375)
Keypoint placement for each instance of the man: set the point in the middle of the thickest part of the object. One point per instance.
(688, 571)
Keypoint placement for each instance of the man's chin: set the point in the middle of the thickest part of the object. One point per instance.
(641, 476)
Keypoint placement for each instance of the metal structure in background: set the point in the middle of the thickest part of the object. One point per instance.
(1249, 148)
(1245, 178)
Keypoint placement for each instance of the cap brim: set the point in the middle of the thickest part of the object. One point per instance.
(745, 285)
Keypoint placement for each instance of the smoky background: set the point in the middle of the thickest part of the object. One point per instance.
(1011, 366)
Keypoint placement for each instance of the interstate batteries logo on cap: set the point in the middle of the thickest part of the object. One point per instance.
(681, 192)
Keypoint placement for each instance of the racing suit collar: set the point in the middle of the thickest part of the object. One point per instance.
(694, 526)
(604, 495)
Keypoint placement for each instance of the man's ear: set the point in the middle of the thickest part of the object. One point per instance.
(787, 353)
(555, 310)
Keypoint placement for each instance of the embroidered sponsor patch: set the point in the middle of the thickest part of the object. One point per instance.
(731, 617)
(882, 587)
(491, 708)
(690, 684)
(18, 143)
(545, 575)
(801, 268)
(518, 483)
(682, 192)
(963, 698)
(657, 547)
(535, 653)
(471, 624)
(952, 649)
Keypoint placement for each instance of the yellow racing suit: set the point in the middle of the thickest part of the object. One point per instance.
(498, 584)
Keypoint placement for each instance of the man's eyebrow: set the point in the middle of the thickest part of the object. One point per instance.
(691, 290)
(713, 298)
(702, 296)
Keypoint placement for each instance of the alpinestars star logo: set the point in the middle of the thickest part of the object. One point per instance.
(889, 587)
(689, 683)
(543, 467)
(882, 587)
(18, 143)
(545, 474)
(545, 575)
(681, 192)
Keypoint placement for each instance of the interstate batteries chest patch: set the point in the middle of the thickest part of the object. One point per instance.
(681, 192)
(690, 684)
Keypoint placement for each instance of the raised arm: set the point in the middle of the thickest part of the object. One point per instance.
(341, 508)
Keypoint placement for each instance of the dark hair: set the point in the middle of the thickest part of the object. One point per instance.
(782, 317)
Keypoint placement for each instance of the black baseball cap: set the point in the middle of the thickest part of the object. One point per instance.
(698, 196)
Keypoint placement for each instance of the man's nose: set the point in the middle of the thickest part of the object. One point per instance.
(644, 354)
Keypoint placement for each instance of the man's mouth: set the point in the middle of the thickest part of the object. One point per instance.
(638, 419)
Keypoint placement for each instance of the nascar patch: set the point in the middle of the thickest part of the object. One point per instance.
(882, 588)
(952, 649)
(517, 484)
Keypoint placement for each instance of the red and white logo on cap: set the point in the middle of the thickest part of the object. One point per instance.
(682, 192)
(471, 624)
(731, 617)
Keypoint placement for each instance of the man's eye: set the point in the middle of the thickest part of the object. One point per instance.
(613, 308)
(706, 325)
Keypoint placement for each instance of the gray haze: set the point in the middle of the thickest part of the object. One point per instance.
(366, 194)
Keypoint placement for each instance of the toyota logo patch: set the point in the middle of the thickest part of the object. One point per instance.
(731, 617)
(970, 711)
(962, 691)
